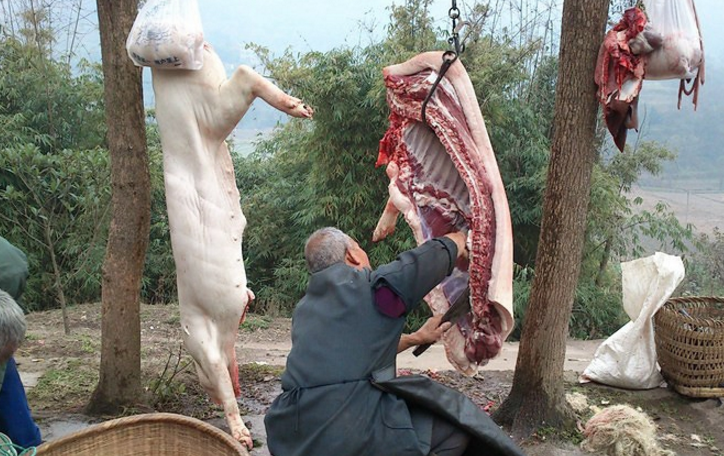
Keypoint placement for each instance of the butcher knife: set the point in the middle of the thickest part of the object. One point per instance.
(458, 310)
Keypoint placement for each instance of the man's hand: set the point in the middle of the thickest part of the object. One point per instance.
(429, 333)
(460, 239)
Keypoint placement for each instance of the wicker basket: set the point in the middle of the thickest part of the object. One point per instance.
(689, 334)
(157, 434)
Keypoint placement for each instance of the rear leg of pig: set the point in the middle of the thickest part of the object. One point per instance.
(220, 379)
(245, 82)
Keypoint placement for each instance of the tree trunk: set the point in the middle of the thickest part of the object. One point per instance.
(120, 372)
(537, 396)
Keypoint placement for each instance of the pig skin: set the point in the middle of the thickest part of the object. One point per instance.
(467, 194)
(681, 52)
(196, 111)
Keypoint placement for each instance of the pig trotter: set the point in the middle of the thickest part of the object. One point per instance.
(239, 430)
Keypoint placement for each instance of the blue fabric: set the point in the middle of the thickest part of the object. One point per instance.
(15, 419)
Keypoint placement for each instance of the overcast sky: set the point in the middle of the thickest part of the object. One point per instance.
(320, 25)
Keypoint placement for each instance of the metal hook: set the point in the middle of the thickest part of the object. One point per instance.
(448, 58)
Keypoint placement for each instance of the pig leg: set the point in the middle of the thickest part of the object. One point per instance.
(386, 224)
(218, 372)
(397, 203)
(249, 84)
(250, 296)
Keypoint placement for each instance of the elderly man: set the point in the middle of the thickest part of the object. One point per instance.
(346, 333)
(15, 419)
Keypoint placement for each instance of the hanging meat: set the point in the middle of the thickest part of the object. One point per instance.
(681, 52)
(444, 177)
(620, 73)
(196, 112)
(662, 41)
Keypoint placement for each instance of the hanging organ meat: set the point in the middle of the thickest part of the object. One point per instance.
(444, 177)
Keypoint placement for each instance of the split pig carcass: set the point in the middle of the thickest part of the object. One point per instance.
(196, 112)
(444, 177)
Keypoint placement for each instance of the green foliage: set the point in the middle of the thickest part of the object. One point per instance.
(615, 229)
(410, 28)
(598, 309)
(54, 172)
(45, 104)
(522, 281)
(416, 319)
(56, 210)
(311, 175)
(705, 267)
(158, 284)
(523, 152)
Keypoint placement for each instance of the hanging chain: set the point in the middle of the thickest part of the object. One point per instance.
(454, 40)
(448, 57)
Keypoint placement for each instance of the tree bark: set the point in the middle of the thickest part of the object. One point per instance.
(537, 396)
(119, 385)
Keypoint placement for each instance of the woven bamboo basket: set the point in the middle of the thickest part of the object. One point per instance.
(157, 434)
(689, 335)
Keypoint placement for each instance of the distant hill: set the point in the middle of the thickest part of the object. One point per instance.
(704, 210)
(697, 136)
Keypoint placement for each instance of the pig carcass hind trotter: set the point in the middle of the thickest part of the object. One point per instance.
(444, 177)
(196, 111)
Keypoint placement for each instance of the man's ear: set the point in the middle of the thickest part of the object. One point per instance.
(352, 257)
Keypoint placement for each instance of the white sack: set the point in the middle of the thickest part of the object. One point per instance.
(682, 52)
(628, 359)
(167, 34)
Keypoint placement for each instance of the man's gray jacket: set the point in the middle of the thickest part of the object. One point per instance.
(330, 405)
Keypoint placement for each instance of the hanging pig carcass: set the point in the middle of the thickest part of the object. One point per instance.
(680, 54)
(444, 177)
(661, 41)
(196, 112)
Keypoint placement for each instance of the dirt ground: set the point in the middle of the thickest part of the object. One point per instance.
(60, 372)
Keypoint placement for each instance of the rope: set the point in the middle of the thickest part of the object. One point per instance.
(8, 448)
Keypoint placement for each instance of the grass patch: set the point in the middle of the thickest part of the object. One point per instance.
(68, 385)
(254, 372)
(174, 319)
(184, 395)
(88, 344)
(254, 323)
(548, 433)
